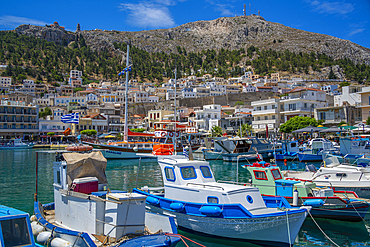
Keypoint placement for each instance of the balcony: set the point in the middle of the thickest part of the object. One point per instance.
(270, 121)
(265, 112)
(264, 102)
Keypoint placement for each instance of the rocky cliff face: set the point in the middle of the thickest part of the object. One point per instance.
(51, 33)
(227, 32)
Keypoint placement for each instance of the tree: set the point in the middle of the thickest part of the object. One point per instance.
(50, 134)
(239, 103)
(344, 84)
(246, 130)
(89, 132)
(332, 75)
(216, 131)
(368, 121)
(45, 112)
(296, 123)
(138, 130)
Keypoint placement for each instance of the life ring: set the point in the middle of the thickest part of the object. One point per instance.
(177, 134)
(170, 134)
(163, 134)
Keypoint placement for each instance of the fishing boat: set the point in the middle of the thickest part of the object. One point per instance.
(326, 203)
(289, 151)
(15, 228)
(200, 204)
(339, 176)
(246, 149)
(86, 213)
(320, 147)
(15, 144)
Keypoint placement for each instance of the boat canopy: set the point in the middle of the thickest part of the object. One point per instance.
(85, 165)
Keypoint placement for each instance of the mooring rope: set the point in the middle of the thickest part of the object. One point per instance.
(322, 230)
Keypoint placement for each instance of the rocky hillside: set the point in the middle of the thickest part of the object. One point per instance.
(226, 32)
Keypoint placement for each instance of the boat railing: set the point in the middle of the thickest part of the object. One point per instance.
(233, 182)
(206, 185)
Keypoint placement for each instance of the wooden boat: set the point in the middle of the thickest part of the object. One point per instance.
(201, 205)
(15, 228)
(325, 202)
(86, 213)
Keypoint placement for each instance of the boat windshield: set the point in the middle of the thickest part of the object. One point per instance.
(15, 232)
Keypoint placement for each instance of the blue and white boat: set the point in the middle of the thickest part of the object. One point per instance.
(15, 228)
(320, 147)
(289, 151)
(85, 213)
(246, 149)
(200, 204)
(15, 144)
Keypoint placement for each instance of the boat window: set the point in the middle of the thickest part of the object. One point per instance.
(170, 174)
(188, 172)
(293, 144)
(342, 175)
(260, 175)
(212, 199)
(58, 177)
(249, 199)
(15, 232)
(255, 141)
(206, 172)
(276, 174)
(263, 141)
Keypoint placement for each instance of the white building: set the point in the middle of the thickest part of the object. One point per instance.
(209, 112)
(28, 87)
(62, 101)
(249, 89)
(153, 98)
(266, 113)
(5, 83)
(75, 78)
(349, 95)
(188, 93)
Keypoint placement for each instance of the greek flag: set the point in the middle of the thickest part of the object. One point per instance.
(124, 70)
(71, 118)
(185, 153)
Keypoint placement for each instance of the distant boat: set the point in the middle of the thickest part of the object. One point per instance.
(15, 144)
(246, 149)
(86, 213)
(16, 228)
(200, 204)
(320, 147)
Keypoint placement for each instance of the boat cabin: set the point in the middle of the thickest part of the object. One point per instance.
(321, 144)
(354, 146)
(190, 180)
(290, 147)
(83, 203)
(270, 181)
(15, 228)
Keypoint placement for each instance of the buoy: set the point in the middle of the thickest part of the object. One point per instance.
(33, 218)
(36, 228)
(285, 162)
(295, 198)
(43, 237)
(177, 206)
(58, 242)
(152, 200)
(210, 210)
(135, 149)
(315, 203)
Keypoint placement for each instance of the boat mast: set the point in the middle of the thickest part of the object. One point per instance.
(125, 138)
(175, 116)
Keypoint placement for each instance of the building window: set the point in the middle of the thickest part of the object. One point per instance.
(273, 116)
(265, 107)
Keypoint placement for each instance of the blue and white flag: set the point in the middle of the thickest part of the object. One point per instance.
(185, 153)
(71, 118)
(124, 70)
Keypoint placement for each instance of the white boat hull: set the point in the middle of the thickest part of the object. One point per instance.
(265, 229)
(111, 154)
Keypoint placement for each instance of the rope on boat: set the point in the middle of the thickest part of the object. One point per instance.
(287, 222)
(321, 229)
(182, 237)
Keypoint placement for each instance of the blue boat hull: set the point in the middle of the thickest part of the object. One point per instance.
(155, 240)
(305, 157)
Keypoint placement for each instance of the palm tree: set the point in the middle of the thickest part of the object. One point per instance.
(216, 131)
(246, 130)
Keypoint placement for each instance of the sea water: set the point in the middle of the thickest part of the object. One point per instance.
(18, 185)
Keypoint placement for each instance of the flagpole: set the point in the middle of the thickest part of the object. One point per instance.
(125, 138)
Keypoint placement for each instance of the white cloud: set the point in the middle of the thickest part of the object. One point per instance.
(223, 8)
(332, 7)
(8, 21)
(148, 15)
(356, 31)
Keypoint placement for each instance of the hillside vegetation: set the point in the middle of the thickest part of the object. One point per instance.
(30, 57)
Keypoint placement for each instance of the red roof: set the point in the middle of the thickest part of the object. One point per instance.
(300, 89)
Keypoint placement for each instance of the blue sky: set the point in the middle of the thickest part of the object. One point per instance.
(344, 19)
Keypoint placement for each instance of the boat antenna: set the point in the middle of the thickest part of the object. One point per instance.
(125, 138)
(37, 168)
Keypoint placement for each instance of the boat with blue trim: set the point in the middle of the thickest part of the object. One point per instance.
(15, 228)
(289, 151)
(220, 209)
(15, 144)
(86, 213)
(320, 147)
(326, 203)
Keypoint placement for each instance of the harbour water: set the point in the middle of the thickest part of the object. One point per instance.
(18, 176)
